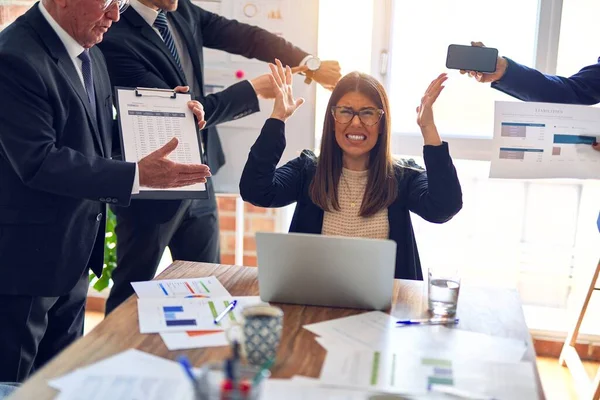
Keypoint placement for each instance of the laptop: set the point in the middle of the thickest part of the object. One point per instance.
(324, 270)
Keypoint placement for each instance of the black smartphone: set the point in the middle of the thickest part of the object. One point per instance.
(472, 58)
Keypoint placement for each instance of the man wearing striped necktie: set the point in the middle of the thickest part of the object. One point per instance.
(159, 43)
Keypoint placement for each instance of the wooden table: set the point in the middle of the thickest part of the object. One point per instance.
(492, 311)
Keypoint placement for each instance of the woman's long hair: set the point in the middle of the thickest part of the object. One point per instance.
(382, 185)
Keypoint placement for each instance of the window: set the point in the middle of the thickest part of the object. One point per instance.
(421, 33)
(579, 41)
(538, 236)
(350, 46)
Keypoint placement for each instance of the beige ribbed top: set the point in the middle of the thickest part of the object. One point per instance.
(347, 221)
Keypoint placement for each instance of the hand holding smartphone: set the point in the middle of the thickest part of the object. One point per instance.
(472, 58)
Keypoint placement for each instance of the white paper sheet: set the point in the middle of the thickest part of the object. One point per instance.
(150, 121)
(367, 330)
(413, 372)
(178, 315)
(125, 387)
(184, 340)
(277, 389)
(181, 288)
(542, 140)
(378, 331)
(130, 368)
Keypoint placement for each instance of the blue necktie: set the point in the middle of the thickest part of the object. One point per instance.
(88, 77)
(161, 24)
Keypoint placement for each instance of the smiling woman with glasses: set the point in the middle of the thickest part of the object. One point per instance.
(355, 187)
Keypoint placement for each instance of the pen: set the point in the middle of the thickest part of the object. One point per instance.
(187, 367)
(459, 392)
(225, 311)
(261, 374)
(427, 321)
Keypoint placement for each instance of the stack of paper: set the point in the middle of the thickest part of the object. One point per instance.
(126, 376)
(183, 311)
(369, 352)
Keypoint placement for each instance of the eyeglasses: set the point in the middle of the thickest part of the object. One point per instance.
(367, 116)
(123, 4)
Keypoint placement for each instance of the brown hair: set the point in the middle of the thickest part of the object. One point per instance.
(382, 185)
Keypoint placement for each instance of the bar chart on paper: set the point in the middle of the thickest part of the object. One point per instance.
(541, 140)
(181, 288)
(177, 315)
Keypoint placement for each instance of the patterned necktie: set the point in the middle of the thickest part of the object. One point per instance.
(88, 77)
(161, 24)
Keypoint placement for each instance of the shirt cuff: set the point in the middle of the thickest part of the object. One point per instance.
(305, 59)
(136, 181)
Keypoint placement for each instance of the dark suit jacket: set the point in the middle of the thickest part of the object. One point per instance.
(435, 195)
(528, 84)
(137, 57)
(55, 170)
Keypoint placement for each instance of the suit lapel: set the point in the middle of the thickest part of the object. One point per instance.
(193, 52)
(59, 53)
(146, 30)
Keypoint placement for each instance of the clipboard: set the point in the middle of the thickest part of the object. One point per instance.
(148, 118)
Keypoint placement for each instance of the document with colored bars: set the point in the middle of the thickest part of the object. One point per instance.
(545, 141)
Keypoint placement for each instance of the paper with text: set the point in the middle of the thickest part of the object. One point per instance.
(543, 140)
(151, 120)
(181, 288)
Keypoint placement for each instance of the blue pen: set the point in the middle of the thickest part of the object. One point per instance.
(427, 321)
(230, 307)
(187, 367)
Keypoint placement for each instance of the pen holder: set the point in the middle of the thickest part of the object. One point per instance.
(259, 333)
(212, 375)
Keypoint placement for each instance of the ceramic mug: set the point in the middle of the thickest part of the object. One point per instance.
(260, 334)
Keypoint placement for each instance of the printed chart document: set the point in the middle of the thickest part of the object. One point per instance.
(181, 288)
(543, 140)
(150, 118)
(213, 337)
(411, 372)
(179, 315)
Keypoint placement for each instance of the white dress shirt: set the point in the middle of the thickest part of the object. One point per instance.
(74, 49)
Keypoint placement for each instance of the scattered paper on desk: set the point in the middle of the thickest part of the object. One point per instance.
(378, 331)
(181, 288)
(364, 330)
(183, 340)
(413, 372)
(129, 375)
(124, 387)
(123, 362)
(277, 389)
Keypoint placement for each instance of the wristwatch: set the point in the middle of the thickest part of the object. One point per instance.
(313, 63)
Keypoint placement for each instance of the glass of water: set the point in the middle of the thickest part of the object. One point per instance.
(443, 288)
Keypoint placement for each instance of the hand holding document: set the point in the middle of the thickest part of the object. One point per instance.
(159, 133)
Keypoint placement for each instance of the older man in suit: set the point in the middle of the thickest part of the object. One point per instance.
(57, 173)
(158, 43)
